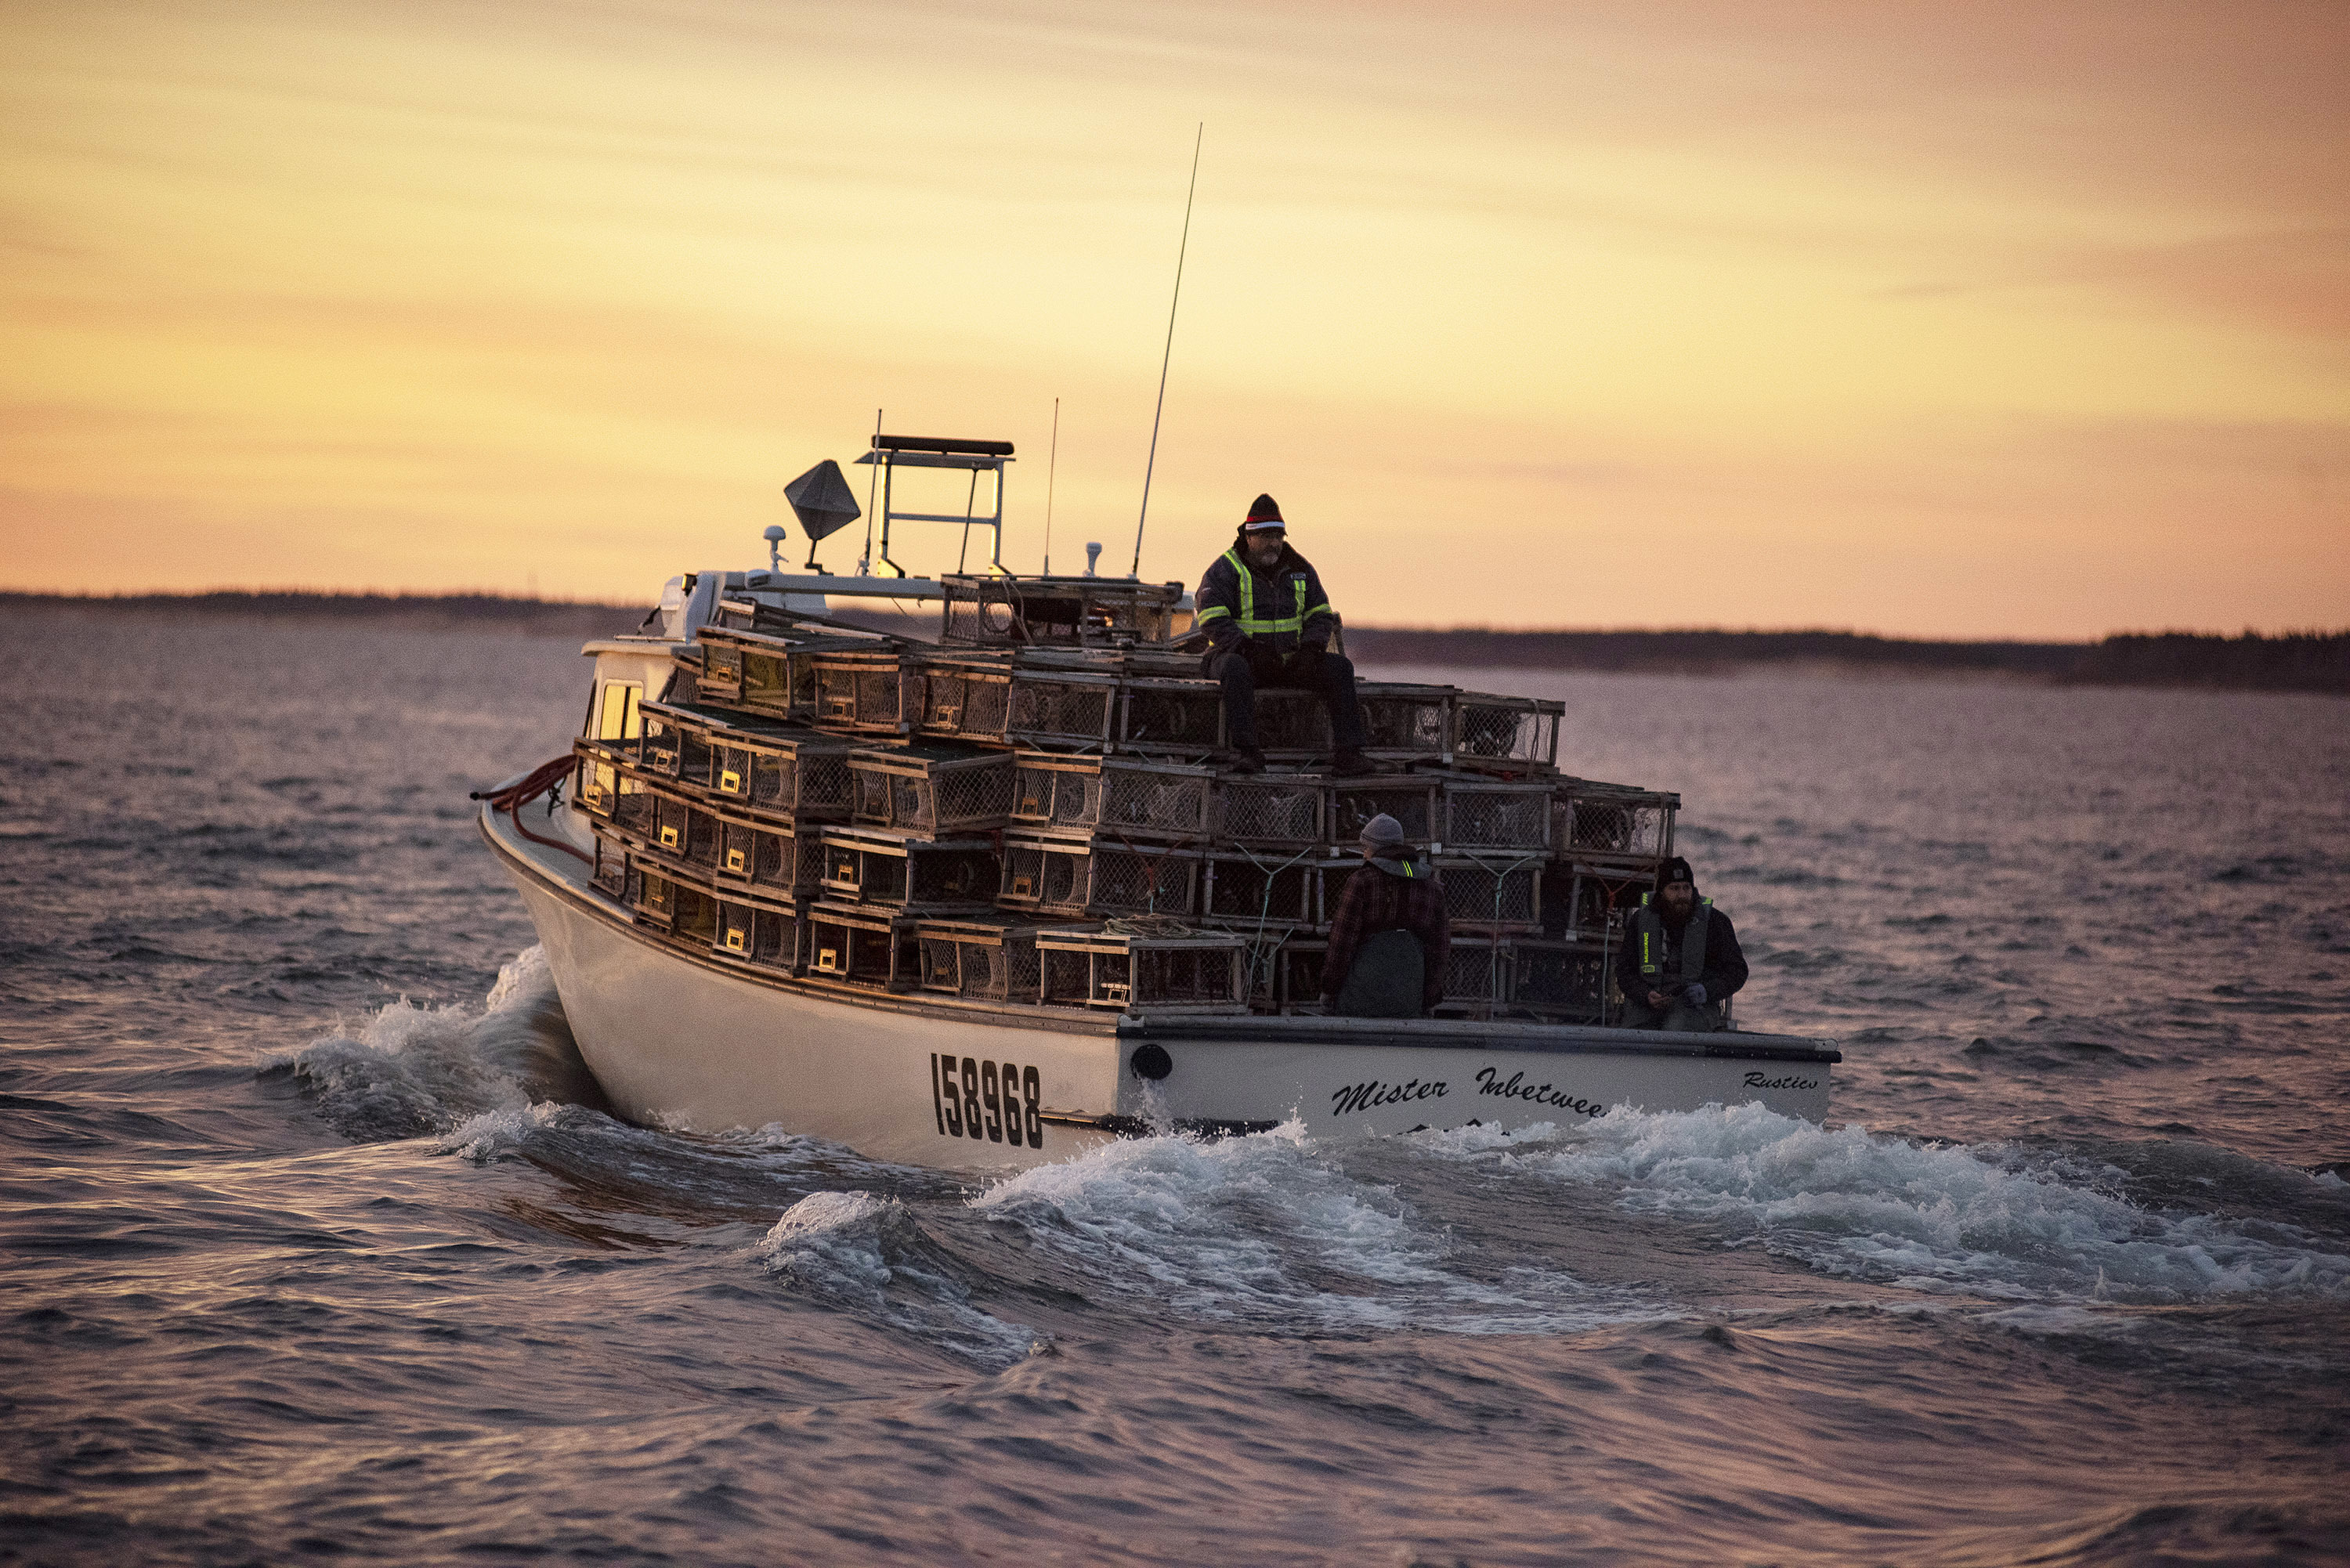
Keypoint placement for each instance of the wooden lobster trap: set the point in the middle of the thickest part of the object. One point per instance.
(756, 930)
(1479, 812)
(964, 696)
(608, 871)
(858, 946)
(782, 862)
(1409, 798)
(1199, 973)
(661, 902)
(718, 677)
(1406, 721)
(605, 785)
(675, 743)
(860, 691)
(1249, 889)
(1592, 899)
(1119, 797)
(1292, 726)
(1505, 734)
(1055, 612)
(1559, 982)
(1477, 979)
(1613, 822)
(1078, 880)
(681, 829)
(1169, 715)
(1272, 811)
(1497, 894)
(687, 665)
(876, 866)
(1057, 708)
(1294, 971)
(980, 960)
(793, 775)
(758, 673)
(932, 792)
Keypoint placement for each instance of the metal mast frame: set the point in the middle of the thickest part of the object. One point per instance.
(974, 457)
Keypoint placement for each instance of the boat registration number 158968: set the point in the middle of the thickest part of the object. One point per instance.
(1001, 1102)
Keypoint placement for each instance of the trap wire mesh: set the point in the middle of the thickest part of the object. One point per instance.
(1486, 813)
(1508, 731)
(1493, 895)
(1171, 717)
(980, 963)
(1270, 811)
(1607, 821)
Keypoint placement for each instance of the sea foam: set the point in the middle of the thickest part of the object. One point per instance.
(407, 1070)
(868, 1255)
(1259, 1230)
(1928, 1217)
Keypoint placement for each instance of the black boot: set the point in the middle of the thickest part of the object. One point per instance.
(1352, 765)
(1244, 760)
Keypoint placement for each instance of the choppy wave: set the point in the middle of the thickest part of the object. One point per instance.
(1268, 1233)
(1259, 1230)
(870, 1256)
(1924, 1216)
(410, 1070)
(538, 1329)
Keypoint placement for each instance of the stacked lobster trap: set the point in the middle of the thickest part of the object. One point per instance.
(1031, 813)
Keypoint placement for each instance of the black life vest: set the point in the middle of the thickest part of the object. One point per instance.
(1647, 938)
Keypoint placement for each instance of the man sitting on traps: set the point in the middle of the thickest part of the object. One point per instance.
(1269, 625)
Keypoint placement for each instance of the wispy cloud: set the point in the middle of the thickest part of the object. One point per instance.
(1856, 300)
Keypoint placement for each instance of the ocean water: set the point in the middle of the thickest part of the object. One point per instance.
(318, 1245)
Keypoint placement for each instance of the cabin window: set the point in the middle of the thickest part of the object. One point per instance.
(617, 718)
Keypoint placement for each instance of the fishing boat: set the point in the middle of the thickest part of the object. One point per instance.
(983, 897)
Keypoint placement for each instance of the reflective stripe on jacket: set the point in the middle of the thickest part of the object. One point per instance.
(1283, 607)
(1647, 938)
(1714, 959)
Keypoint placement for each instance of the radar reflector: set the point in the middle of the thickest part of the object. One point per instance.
(821, 500)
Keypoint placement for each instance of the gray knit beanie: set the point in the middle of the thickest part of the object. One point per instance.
(1383, 831)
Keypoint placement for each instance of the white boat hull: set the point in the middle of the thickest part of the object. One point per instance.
(681, 1040)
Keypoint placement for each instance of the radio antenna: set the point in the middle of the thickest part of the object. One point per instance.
(1052, 467)
(1167, 358)
(872, 483)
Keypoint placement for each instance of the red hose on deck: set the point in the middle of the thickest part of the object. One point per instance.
(512, 797)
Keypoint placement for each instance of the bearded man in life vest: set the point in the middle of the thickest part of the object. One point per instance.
(1681, 962)
(1269, 625)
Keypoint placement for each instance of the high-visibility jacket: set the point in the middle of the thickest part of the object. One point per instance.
(1285, 607)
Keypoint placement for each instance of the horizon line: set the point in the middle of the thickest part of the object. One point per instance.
(452, 595)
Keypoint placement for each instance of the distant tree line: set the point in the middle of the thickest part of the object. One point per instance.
(1702, 652)
(475, 610)
(2292, 661)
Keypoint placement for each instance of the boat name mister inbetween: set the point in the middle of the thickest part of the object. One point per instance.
(1376, 1093)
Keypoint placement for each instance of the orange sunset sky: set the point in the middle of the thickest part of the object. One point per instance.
(1961, 320)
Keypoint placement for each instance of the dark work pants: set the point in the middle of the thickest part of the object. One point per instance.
(1253, 665)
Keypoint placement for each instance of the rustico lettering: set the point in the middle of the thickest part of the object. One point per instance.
(1363, 1097)
(1757, 1081)
(1517, 1089)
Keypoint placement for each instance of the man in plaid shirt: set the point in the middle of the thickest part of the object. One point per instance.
(1391, 935)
